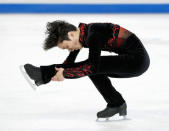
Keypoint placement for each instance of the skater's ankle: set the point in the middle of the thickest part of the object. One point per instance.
(115, 105)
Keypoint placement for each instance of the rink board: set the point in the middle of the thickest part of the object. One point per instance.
(84, 8)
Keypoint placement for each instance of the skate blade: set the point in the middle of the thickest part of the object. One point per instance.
(108, 119)
(102, 119)
(125, 117)
(30, 82)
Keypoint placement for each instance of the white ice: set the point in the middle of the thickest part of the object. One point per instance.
(71, 105)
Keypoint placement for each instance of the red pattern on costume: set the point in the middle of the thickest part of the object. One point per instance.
(83, 28)
(112, 41)
(79, 71)
(82, 32)
(119, 41)
(121, 33)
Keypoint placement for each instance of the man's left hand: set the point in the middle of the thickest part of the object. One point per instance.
(59, 75)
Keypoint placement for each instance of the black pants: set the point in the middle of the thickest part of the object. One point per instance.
(133, 62)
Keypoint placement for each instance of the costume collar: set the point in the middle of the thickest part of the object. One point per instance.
(83, 34)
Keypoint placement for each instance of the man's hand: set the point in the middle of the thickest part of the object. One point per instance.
(59, 75)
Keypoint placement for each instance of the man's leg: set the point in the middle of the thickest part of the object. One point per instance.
(49, 71)
(120, 66)
(109, 93)
(113, 66)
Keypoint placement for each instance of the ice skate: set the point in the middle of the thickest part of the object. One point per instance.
(32, 74)
(111, 111)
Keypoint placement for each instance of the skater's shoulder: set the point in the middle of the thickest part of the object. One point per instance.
(101, 27)
(96, 24)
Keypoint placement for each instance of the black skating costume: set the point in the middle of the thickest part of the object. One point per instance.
(131, 60)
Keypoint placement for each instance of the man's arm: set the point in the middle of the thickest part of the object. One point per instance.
(90, 66)
(69, 61)
(71, 57)
(49, 71)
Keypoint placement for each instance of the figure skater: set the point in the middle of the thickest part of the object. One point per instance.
(130, 60)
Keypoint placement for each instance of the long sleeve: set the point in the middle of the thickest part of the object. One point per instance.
(69, 61)
(49, 71)
(71, 57)
(95, 40)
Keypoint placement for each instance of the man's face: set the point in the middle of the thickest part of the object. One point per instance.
(67, 44)
(71, 44)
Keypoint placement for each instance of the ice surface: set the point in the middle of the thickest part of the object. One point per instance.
(72, 105)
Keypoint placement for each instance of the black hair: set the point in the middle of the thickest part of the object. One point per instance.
(57, 31)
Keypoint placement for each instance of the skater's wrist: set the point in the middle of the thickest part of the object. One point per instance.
(59, 75)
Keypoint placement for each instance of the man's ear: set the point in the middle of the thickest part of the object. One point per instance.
(70, 34)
